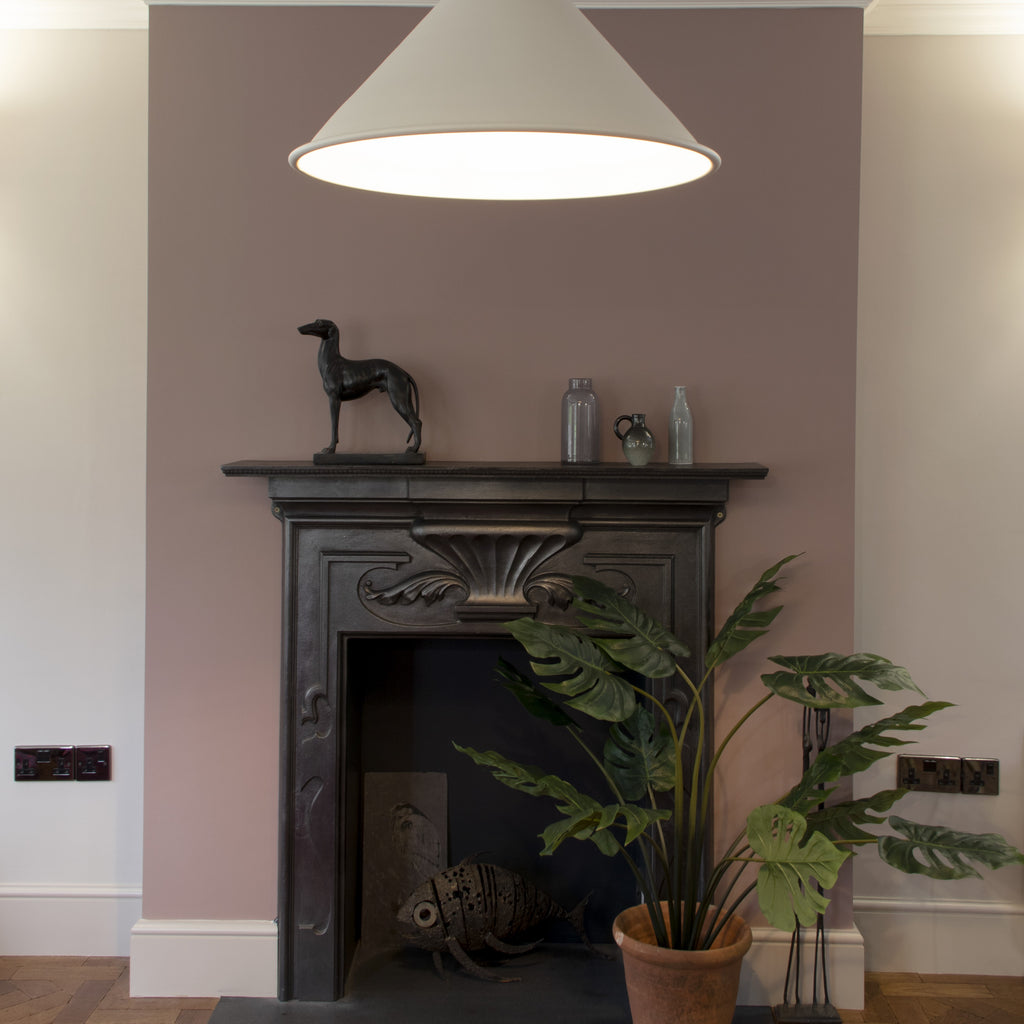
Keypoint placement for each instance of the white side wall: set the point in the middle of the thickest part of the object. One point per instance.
(940, 482)
(73, 109)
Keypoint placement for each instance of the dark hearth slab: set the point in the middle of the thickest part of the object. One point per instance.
(560, 983)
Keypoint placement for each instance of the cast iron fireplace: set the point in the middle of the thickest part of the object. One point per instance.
(381, 558)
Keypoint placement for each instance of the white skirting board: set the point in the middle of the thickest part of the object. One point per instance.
(942, 936)
(67, 920)
(239, 958)
(763, 978)
(204, 958)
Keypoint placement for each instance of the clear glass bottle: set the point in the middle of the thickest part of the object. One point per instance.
(581, 437)
(680, 430)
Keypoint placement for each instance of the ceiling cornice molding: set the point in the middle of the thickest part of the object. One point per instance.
(73, 14)
(882, 17)
(626, 5)
(945, 18)
(134, 14)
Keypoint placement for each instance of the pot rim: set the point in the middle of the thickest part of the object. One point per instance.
(719, 956)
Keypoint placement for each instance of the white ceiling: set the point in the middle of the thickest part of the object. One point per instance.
(882, 17)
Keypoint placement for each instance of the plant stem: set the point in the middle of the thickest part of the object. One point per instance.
(705, 804)
(723, 917)
(650, 898)
(672, 876)
(721, 868)
(575, 733)
(662, 853)
(685, 875)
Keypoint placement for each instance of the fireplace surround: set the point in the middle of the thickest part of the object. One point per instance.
(450, 551)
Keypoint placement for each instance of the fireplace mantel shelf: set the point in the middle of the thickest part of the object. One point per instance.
(485, 483)
(542, 470)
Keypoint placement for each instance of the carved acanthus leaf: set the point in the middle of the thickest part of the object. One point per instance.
(426, 586)
(557, 588)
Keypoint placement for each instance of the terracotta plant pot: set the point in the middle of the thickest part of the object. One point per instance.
(678, 986)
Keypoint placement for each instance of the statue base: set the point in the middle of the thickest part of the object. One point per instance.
(369, 459)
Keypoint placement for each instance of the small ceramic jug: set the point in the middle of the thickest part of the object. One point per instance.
(637, 441)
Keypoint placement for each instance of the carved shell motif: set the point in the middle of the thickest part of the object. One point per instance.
(494, 564)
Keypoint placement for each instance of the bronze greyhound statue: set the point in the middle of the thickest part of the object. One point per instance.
(345, 379)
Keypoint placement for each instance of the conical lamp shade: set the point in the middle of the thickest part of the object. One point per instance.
(505, 99)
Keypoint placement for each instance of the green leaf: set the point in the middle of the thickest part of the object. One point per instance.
(791, 867)
(583, 816)
(540, 705)
(526, 778)
(745, 625)
(645, 646)
(943, 853)
(638, 819)
(855, 753)
(590, 678)
(843, 820)
(639, 753)
(830, 680)
(582, 824)
(595, 824)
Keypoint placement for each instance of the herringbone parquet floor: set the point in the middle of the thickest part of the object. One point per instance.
(94, 990)
(84, 990)
(939, 999)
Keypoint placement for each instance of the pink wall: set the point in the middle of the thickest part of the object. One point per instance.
(742, 286)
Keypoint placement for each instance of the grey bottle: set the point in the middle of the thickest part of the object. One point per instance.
(680, 430)
(581, 438)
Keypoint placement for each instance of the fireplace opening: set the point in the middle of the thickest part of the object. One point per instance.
(407, 700)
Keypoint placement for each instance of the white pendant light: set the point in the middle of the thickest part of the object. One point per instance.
(505, 99)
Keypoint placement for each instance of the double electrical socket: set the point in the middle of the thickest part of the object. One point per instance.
(948, 774)
(62, 764)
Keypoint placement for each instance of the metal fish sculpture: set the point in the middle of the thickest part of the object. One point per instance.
(474, 906)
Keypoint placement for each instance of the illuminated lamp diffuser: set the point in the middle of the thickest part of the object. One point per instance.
(505, 99)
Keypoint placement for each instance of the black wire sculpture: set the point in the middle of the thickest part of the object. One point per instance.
(817, 726)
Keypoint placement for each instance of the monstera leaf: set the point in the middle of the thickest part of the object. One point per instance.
(591, 681)
(745, 625)
(785, 881)
(855, 753)
(645, 645)
(830, 680)
(527, 778)
(540, 705)
(639, 754)
(842, 821)
(593, 824)
(584, 817)
(942, 852)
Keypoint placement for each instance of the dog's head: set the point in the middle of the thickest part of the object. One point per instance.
(319, 328)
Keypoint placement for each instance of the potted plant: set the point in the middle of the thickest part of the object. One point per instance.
(658, 762)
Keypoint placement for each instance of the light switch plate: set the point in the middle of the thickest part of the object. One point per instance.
(44, 764)
(931, 774)
(980, 775)
(92, 764)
